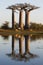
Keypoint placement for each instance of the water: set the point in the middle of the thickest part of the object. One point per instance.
(19, 49)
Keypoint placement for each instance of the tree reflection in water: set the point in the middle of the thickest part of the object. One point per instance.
(5, 37)
(22, 56)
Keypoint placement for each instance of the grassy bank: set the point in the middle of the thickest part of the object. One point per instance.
(21, 32)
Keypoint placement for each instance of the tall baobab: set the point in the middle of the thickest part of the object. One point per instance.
(27, 15)
(21, 8)
(13, 8)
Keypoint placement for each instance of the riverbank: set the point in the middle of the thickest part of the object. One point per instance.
(20, 32)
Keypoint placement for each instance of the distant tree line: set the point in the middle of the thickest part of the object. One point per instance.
(33, 26)
(36, 27)
(5, 25)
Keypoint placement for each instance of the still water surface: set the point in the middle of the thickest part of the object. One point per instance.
(16, 50)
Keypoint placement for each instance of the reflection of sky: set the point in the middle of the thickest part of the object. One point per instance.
(37, 48)
(36, 16)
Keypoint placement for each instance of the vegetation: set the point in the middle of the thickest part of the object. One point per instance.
(36, 27)
(5, 25)
(33, 26)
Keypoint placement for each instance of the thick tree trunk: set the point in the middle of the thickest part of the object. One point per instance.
(21, 19)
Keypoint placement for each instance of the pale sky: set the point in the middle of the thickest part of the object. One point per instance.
(35, 15)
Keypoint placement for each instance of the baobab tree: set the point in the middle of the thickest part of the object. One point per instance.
(13, 8)
(21, 8)
(27, 8)
(27, 15)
